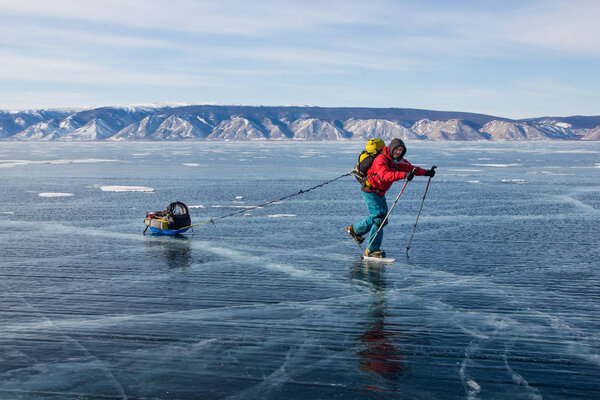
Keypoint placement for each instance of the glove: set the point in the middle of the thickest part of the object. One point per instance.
(409, 175)
(430, 173)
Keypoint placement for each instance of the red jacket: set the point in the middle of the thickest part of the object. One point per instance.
(387, 171)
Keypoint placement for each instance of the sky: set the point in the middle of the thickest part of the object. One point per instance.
(509, 58)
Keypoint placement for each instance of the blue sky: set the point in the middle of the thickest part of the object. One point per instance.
(507, 58)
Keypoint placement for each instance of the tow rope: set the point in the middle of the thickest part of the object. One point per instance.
(302, 191)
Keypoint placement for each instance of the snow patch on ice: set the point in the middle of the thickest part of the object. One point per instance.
(232, 206)
(18, 163)
(518, 379)
(577, 203)
(498, 165)
(473, 385)
(55, 194)
(575, 151)
(117, 188)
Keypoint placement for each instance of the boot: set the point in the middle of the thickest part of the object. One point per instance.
(357, 238)
(375, 254)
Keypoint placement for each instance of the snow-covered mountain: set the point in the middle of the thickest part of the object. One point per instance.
(446, 130)
(593, 134)
(140, 130)
(242, 123)
(95, 129)
(13, 122)
(237, 128)
(275, 129)
(181, 128)
(379, 128)
(316, 129)
(507, 130)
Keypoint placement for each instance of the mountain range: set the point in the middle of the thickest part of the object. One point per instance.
(243, 123)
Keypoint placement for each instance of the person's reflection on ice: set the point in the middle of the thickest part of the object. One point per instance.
(379, 345)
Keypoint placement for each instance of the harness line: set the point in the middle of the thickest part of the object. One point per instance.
(302, 191)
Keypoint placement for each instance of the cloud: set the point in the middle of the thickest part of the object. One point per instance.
(62, 70)
(378, 28)
(518, 27)
(12, 34)
(303, 57)
(569, 26)
(224, 17)
(304, 51)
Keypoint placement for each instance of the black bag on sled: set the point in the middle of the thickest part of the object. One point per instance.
(176, 216)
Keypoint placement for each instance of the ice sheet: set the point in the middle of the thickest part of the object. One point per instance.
(498, 298)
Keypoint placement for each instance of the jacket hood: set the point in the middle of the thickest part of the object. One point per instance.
(395, 143)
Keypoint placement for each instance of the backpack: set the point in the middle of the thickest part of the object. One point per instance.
(365, 160)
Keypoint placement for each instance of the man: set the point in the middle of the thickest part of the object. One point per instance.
(388, 167)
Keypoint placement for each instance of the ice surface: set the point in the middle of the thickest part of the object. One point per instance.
(117, 188)
(499, 298)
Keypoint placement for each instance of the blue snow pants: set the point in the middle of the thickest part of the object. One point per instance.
(378, 209)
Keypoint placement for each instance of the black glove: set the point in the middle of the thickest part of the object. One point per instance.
(410, 175)
(430, 173)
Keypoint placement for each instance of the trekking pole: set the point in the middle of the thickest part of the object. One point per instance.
(387, 215)
(419, 213)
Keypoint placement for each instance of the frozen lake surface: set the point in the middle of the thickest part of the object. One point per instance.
(499, 299)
